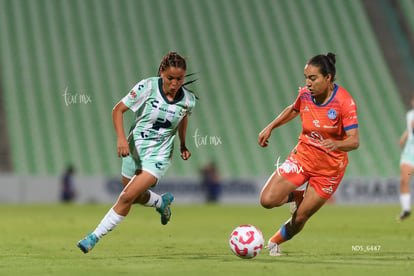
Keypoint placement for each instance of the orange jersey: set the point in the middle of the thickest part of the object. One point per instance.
(325, 121)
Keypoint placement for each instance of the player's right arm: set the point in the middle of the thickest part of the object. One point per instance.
(287, 115)
(118, 121)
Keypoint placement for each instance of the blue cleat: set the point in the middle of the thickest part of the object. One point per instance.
(88, 243)
(165, 210)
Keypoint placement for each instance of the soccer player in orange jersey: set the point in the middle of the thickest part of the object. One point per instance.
(330, 130)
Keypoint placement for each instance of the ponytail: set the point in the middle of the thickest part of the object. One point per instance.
(326, 63)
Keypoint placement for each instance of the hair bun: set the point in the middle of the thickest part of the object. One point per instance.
(331, 57)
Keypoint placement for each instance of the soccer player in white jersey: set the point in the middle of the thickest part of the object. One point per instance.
(407, 164)
(161, 105)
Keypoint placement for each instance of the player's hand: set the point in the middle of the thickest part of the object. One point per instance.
(122, 147)
(185, 153)
(330, 145)
(264, 136)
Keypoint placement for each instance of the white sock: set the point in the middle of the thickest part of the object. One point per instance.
(405, 200)
(155, 200)
(108, 223)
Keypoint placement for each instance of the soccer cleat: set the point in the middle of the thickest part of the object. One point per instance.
(404, 215)
(165, 210)
(274, 249)
(88, 243)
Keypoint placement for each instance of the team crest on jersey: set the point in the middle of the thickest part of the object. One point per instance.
(184, 110)
(133, 94)
(332, 114)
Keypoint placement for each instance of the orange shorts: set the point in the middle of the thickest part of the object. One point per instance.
(325, 186)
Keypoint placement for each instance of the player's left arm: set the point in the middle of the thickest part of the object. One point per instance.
(182, 130)
(350, 125)
(351, 142)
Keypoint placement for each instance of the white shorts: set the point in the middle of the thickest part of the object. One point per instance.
(155, 167)
(407, 155)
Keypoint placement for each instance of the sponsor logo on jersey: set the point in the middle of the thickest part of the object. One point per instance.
(160, 123)
(332, 114)
(154, 103)
(159, 165)
(328, 190)
(133, 94)
(183, 111)
(315, 137)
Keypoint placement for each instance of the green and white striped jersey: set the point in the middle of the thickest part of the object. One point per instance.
(157, 119)
(410, 130)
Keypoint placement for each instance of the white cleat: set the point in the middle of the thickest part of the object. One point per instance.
(274, 249)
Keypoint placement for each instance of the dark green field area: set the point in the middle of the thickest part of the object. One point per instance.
(338, 240)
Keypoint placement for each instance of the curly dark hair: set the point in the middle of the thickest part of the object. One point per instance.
(172, 59)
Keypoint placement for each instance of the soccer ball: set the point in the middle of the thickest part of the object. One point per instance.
(246, 241)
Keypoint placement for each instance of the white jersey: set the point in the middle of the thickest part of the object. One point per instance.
(410, 120)
(157, 119)
(407, 155)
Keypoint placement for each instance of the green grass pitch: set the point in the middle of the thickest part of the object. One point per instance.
(338, 240)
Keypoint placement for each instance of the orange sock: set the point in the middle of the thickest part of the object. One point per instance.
(281, 236)
(277, 238)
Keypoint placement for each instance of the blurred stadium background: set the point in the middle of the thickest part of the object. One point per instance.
(65, 63)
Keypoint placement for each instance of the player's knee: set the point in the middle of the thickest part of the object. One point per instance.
(126, 198)
(265, 204)
(264, 201)
(269, 202)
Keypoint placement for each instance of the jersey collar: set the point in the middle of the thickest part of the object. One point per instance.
(330, 99)
(180, 93)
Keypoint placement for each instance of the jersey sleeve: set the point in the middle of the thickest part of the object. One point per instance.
(296, 105)
(192, 104)
(410, 117)
(189, 102)
(136, 96)
(349, 116)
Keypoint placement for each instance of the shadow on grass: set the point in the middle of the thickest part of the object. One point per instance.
(375, 259)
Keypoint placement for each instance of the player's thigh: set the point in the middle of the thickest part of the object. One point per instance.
(125, 181)
(275, 190)
(406, 170)
(139, 184)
